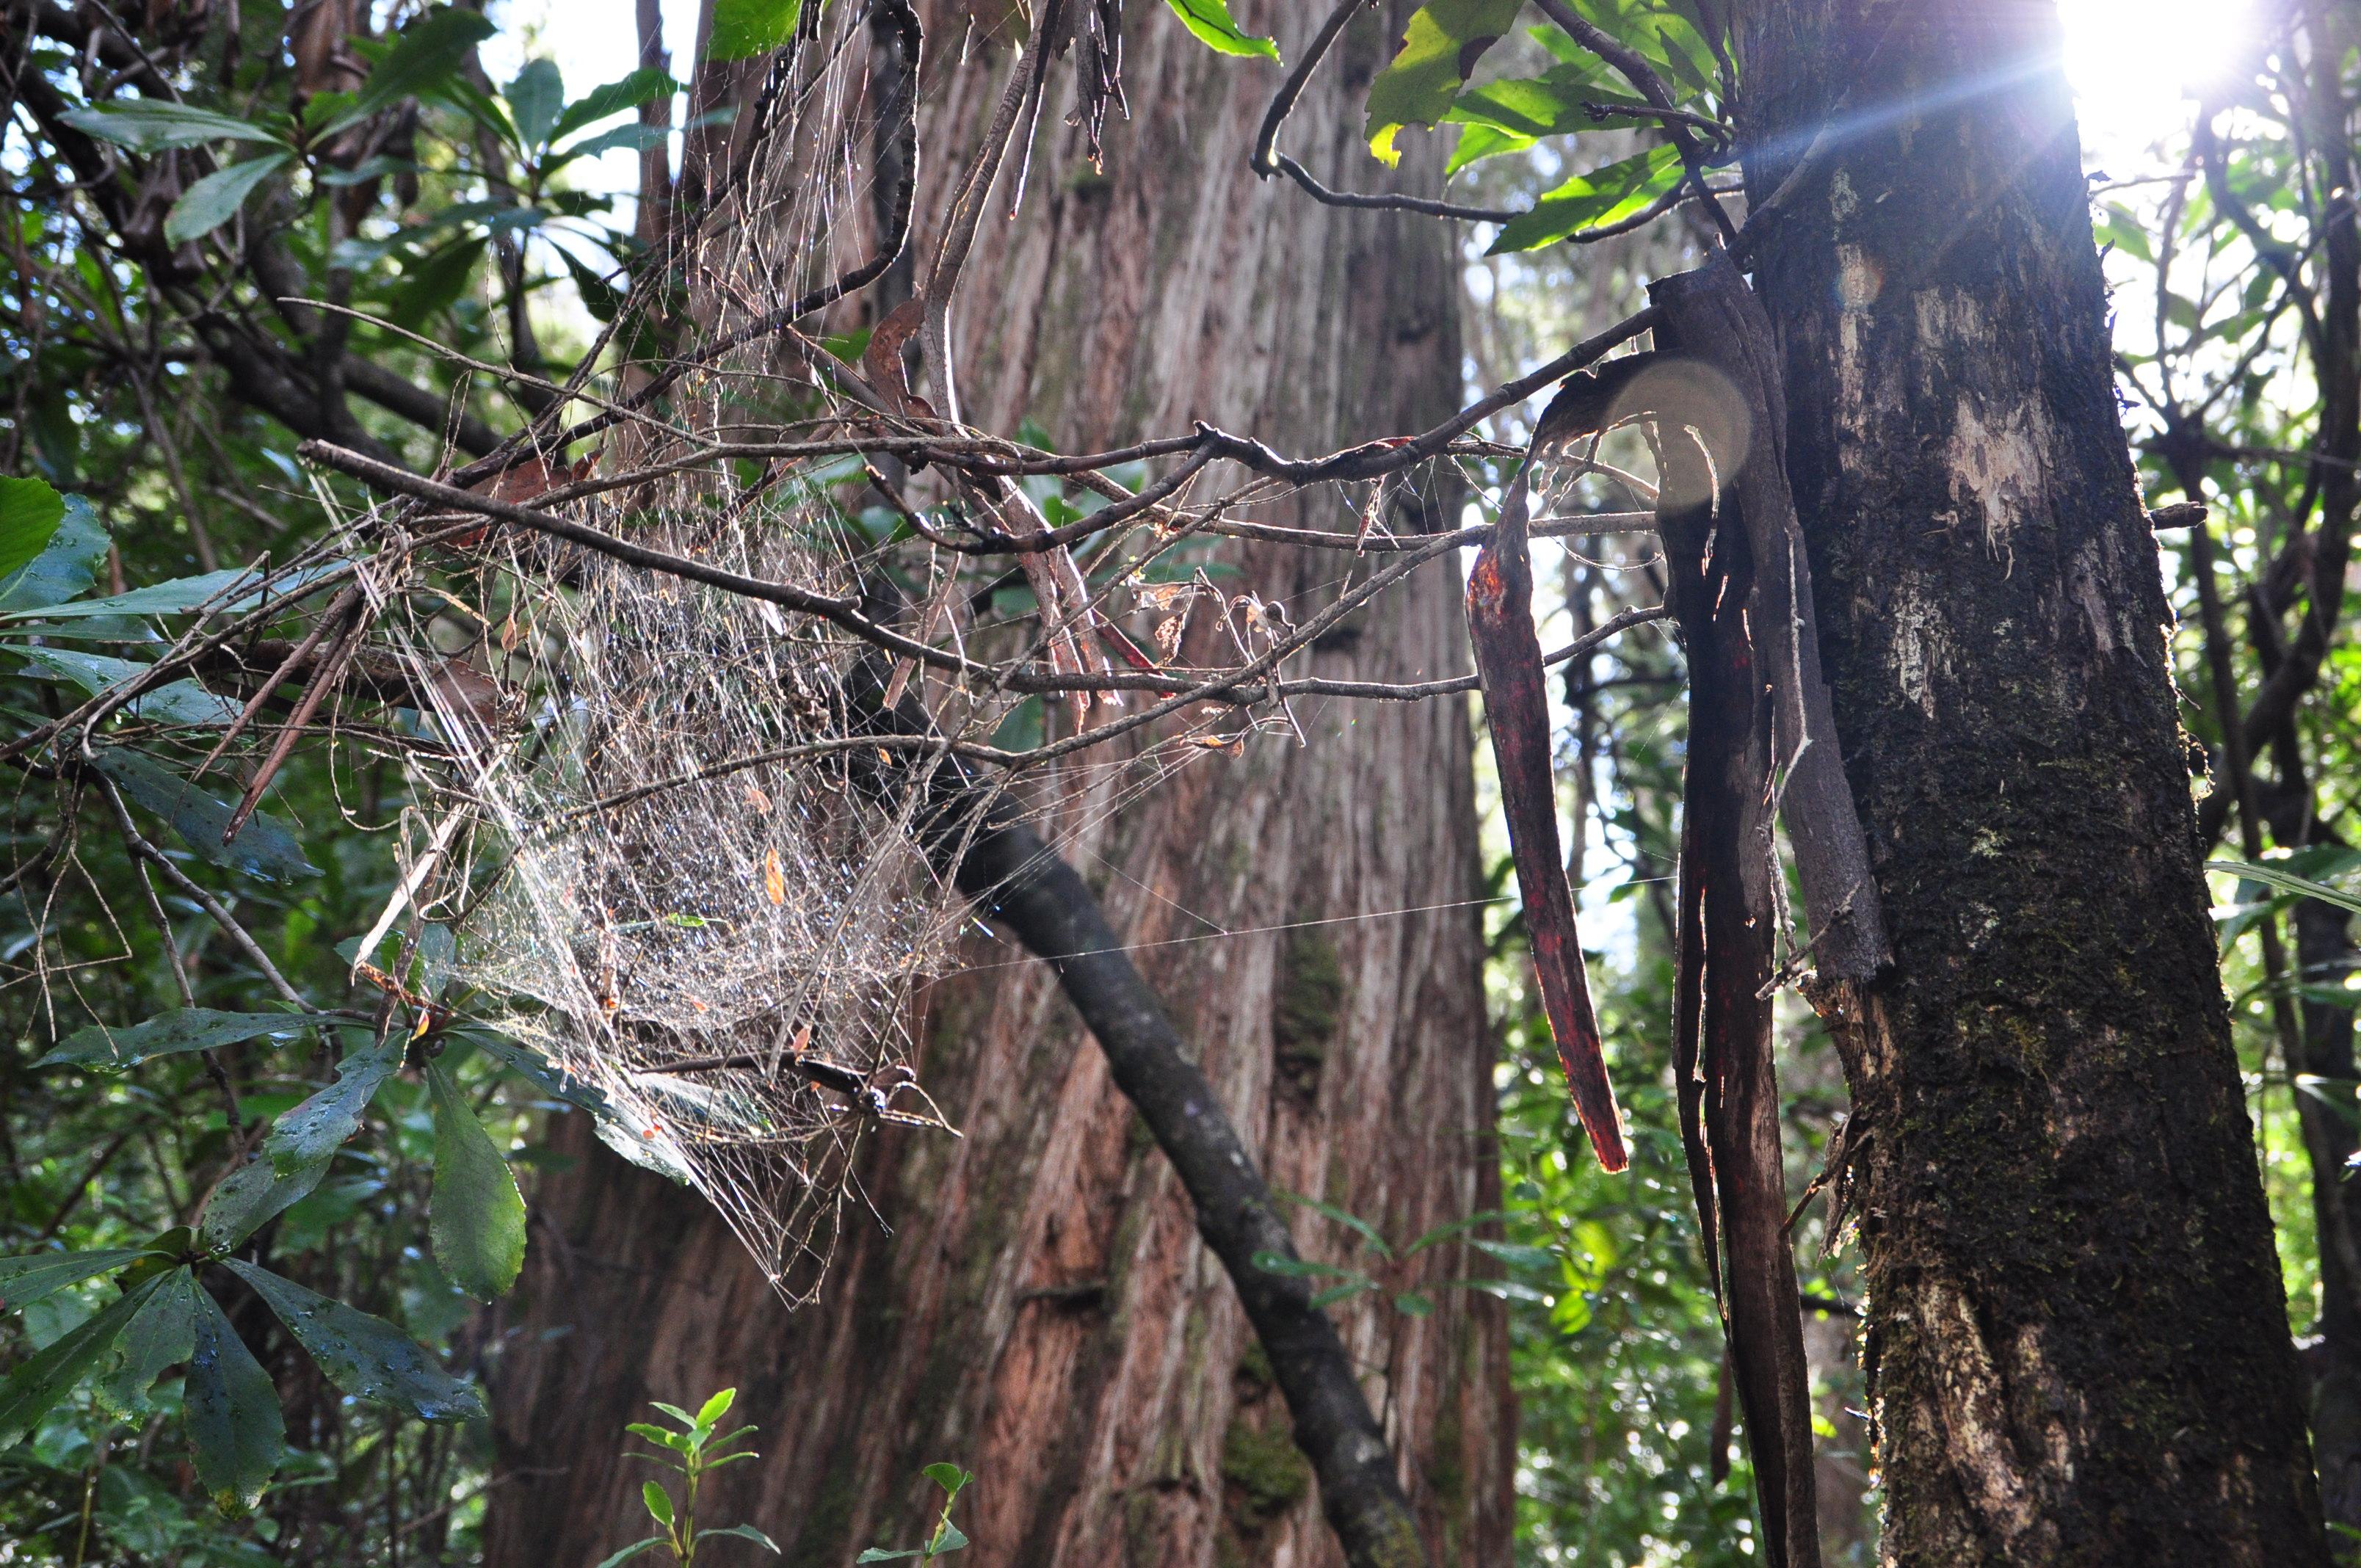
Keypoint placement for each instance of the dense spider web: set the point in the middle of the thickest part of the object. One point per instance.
(720, 952)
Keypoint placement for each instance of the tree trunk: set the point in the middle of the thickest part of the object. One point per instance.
(2076, 1336)
(1044, 1312)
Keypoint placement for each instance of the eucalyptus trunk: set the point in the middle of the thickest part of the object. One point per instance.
(1044, 1312)
(2076, 1335)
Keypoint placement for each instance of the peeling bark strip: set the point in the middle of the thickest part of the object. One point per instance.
(1722, 1015)
(1051, 910)
(1711, 318)
(1516, 712)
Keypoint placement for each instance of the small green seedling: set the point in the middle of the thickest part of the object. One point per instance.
(947, 1537)
(690, 1447)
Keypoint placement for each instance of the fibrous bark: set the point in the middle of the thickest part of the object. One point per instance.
(1044, 1311)
(2077, 1333)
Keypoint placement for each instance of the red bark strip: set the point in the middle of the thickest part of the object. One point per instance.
(1516, 711)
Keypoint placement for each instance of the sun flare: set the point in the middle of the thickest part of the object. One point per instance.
(2135, 66)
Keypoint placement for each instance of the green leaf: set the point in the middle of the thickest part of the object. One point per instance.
(1545, 106)
(169, 1034)
(214, 200)
(295, 1154)
(42, 1378)
(658, 1501)
(949, 1537)
(709, 1414)
(743, 1532)
(429, 51)
(535, 100)
(477, 1218)
(237, 1434)
(1367, 1230)
(1440, 47)
(174, 702)
(639, 138)
(263, 848)
(949, 1477)
(643, 86)
(38, 1276)
(183, 594)
(632, 1551)
(433, 285)
(745, 27)
(67, 567)
(547, 1077)
(362, 1353)
(1211, 22)
(1412, 1304)
(151, 126)
(1479, 142)
(879, 1554)
(2288, 882)
(1586, 200)
(1300, 1268)
(31, 511)
(687, 1421)
(162, 1335)
(657, 1435)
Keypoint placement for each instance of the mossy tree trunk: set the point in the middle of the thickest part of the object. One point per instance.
(2077, 1337)
(1044, 1312)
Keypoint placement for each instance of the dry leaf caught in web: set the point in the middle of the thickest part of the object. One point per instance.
(775, 877)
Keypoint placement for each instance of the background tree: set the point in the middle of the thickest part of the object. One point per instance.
(1043, 1311)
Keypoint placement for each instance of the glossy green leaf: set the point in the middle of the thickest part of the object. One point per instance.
(263, 848)
(1552, 104)
(1211, 23)
(1479, 142)
(214, 200)
(31, 511)
(643, 86)
(949, 1477)
(1589, 201)
(237, 1434)
(431, 286)
(742, 1532)
(66, 567)
(296, 1153)
(637, 137)
(536, 98)
(214, 590)
(429, 52)
(41, 1379)
(362, 1353)
(152, 126)
(169, 1034)
(546, 1076)
(38, 1276)
(658, 1502)
(709, 1414)
(174, 702)
(1440, 47)
(632, 1551)
(949, 1537)
(742, 29)
(162, 1335)
(477, 1218)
